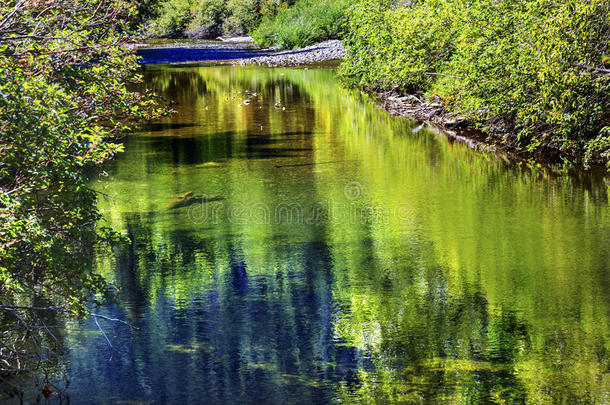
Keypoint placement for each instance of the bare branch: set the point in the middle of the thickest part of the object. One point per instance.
(593, 68)
(105, 337)
(65, 310)
(12, 307)
(18, 6)
(114, 320)
(48, 330)
(18, 37)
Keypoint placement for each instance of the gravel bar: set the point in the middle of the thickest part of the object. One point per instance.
(320, 52)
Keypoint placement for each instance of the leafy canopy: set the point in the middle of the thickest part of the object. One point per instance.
(66, 75)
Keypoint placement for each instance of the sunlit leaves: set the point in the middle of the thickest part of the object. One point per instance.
(538, 65)
(66, 79)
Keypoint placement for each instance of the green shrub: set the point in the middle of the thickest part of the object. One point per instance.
(307, 22)
(536, 64)
(59, 111)
(146, 10)
(207, 18)
(174, 17)
(244, 16)
(270, 8)
(210, 18)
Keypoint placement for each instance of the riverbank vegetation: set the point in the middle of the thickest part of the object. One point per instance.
(209, 18)
(536, 71)
(286, 24)
(65, 94)
(308, 22)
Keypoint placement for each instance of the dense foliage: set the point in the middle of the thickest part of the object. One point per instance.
(283, 23)
(536, 69)
(309, 21)
(65, 81)
(211, 18)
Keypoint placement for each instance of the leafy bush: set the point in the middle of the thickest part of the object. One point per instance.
(536, 64)
(210, 18)
(307, 22)
(174, 17)
(65, 92)
(245, 15)
(146, 10)
(206, 19)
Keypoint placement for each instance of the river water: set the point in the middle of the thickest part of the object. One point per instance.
(304, 247)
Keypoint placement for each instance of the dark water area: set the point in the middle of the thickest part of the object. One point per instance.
(292, 244)
(200, 51)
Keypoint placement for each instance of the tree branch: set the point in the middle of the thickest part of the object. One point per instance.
(65, 310)
(105, 337)
(440, 74)
(589, 67)
(114, 320)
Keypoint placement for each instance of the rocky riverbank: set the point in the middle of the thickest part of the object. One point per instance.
(497, 138)
(320, 52)
(433, 113)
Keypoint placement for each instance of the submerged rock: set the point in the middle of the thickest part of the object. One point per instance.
(189, 198)
(181, 200)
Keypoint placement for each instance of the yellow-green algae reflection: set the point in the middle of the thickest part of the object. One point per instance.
(298, 245)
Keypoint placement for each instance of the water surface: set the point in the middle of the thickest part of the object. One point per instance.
(324, 252)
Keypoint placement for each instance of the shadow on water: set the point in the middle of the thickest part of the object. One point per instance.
(178, 55)
(316, 164)
(163, 127)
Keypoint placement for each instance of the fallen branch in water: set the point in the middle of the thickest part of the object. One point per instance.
(65, 310)
(14, 357)
(114, 320)
(106, 337)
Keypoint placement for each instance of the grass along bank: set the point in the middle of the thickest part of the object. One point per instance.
(533, 71)
(307, 22)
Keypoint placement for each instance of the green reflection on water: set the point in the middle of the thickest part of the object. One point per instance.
(306, 245)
